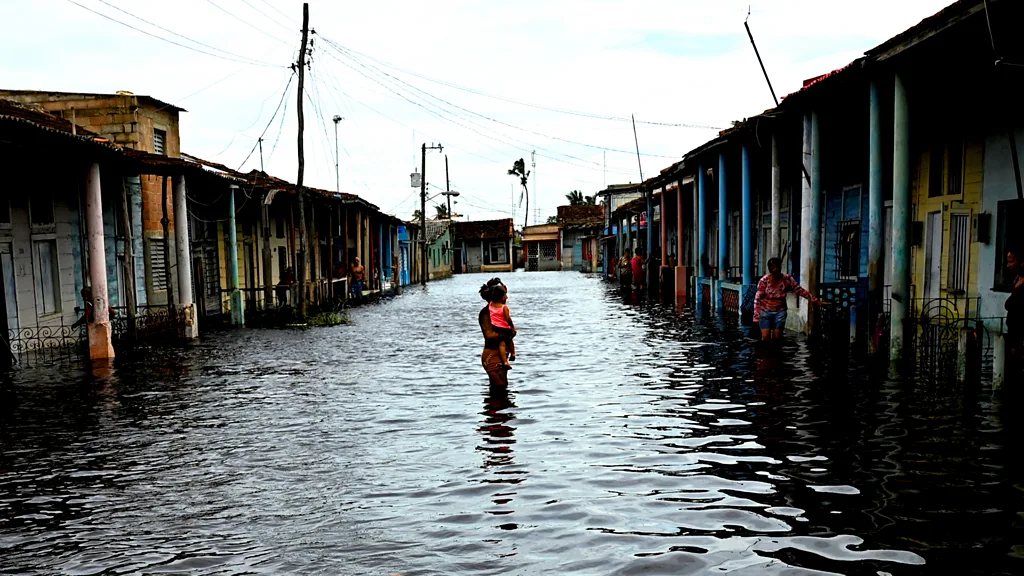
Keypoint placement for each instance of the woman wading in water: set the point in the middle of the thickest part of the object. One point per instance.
(770, 300)
(493, 360)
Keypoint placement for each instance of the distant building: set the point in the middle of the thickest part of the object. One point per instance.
(483, 245)
(439, 249)
(541, 245)
(580, 229)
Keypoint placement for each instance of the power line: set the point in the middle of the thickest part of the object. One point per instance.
(187, 47)
(243, 21)
(496, 121)
(169, 31)
(264, 14)
(529, 104)
(526, 147)
(274, 8)
(276, 110)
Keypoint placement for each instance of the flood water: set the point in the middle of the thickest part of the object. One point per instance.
(633, 439)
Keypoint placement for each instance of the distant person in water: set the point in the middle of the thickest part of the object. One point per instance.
(491, 357)
(358, 275)
(637, 267)
(770, 300)
(501, 320)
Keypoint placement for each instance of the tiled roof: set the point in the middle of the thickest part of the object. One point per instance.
(478, 229)
(585, 216)
(56, 96)
(38, 118)
(435, 229)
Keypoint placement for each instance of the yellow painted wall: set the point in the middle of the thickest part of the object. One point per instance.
(969, 201)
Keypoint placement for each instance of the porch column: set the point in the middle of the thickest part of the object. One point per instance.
(876, 228)
(747, 218)
(681, 279)
(723, 231)
(664, 231)
(181, 242)
(702, 235)
(776, 248)
(663, 272)
(268, 270)
(359, 237)
(900, 220)
(237, 306)
(100, 335)
(813, 233)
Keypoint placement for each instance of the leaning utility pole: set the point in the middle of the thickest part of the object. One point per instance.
(447, 187)
(301, 268)
(423, 210)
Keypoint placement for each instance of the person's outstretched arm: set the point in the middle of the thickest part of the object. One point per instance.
(799, 290)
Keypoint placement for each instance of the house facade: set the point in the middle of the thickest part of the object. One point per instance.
(541, 247)
(483, 245)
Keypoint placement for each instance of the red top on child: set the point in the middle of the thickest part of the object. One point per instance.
(498, 316)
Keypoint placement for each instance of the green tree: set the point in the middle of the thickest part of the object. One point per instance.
(417, 215)
(440, 212)
(575, 198)
(552, 219)
(590, 200)
(519, 170)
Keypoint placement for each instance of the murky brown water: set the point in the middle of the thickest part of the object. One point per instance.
(632, 440)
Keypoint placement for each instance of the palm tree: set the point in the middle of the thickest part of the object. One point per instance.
(590, 200)
(440, 212)
(519, 170)
(575, 198)
(417, 215)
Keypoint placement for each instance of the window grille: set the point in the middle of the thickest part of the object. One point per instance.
(498, 253)
(848, 250)
(959, 237)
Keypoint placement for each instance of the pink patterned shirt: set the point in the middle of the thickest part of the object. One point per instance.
(771, 296)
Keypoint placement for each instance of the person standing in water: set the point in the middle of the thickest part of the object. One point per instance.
(770, 300)
(501, 320)
(1015, 312)
(491, 358)
(357, 274)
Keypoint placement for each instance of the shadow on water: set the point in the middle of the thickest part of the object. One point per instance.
(635, 438)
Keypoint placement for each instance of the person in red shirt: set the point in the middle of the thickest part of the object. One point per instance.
(637, 266)
(770, 300)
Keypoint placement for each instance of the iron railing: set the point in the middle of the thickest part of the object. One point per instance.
(50, 344)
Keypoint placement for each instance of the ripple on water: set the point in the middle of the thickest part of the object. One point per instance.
(633, 439)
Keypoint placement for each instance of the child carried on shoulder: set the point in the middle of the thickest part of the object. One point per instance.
(501, 321)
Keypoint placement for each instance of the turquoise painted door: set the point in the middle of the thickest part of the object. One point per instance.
(577, 255)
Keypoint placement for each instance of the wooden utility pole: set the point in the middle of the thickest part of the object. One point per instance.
(423, 216)
(301, 269)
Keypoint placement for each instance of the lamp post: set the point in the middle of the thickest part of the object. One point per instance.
(337, 179)
(423, 209)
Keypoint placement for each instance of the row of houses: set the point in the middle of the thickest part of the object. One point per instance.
(109, 234)
(890, 187)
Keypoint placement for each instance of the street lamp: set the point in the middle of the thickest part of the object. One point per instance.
(337, 180)
(449, 194)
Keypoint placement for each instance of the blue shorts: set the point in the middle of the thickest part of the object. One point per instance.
(773, 320)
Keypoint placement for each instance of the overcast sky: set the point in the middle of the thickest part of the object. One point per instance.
(482, 78)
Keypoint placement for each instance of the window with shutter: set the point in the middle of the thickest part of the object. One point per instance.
(160, 142)
(157, 264)
(959, 238)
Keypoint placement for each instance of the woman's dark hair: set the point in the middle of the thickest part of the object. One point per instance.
(486, 289)
(776, 261)
(497, 292)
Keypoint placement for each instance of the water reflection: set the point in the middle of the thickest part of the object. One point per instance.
(634, 439)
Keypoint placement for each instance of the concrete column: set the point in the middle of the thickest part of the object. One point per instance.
(900, 220)
(237, 304)
(664, 231)
(747, 219)
(359, 236)
(181, 243)
(776, 247)
(803, 306)
(682, 281)
(723, 221)
(813, 232)
(702, 233)
(100, 335)
(998, 360)
(876, 227)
